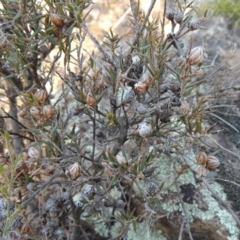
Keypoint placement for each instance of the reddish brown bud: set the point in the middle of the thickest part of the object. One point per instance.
(56, 20)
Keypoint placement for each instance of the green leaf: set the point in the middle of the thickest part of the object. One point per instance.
(35, 18)
(53, 40)
(1, 169)
(114, 179)
(69, 30)
(72, 133)
(79, 17)
(28, 178)
(83, 97)
(54, 129)
(112, 159)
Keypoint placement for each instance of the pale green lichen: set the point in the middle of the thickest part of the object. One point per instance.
(214, 210)
(143, 231)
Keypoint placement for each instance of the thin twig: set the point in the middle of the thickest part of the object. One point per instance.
(97, 44)
(19, 135)
(26, 202)
(227, 123)
(9, 116)
(232, 153)
(139, 32)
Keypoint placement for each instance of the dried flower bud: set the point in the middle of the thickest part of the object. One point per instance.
(212, 163)
(202, 171)
(121, 159)
(169, 13)
(90, 101)
(48, 111)
(43, 49)
(202, 158)
(185, 107)
(178, 17)
(22, 112)
(33, 153)
(35, 111)
(194, 24)
(196, 55)
(74, 170)
(120, 203)
(41, 95)
(140, 87)
(56, 20)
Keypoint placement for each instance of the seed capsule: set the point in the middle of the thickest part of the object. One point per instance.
(202, 158)
(48, 111)
(120, 203)
(169, 13)
(196, 55)
(212, 163)
(33, 153)
(35, 111)
(22, 112)
(74, 170)
(43, 49)
(41, 95)
(202, 171)
(194, 24)
(178, 17)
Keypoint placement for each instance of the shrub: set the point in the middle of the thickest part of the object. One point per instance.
(114, 147)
